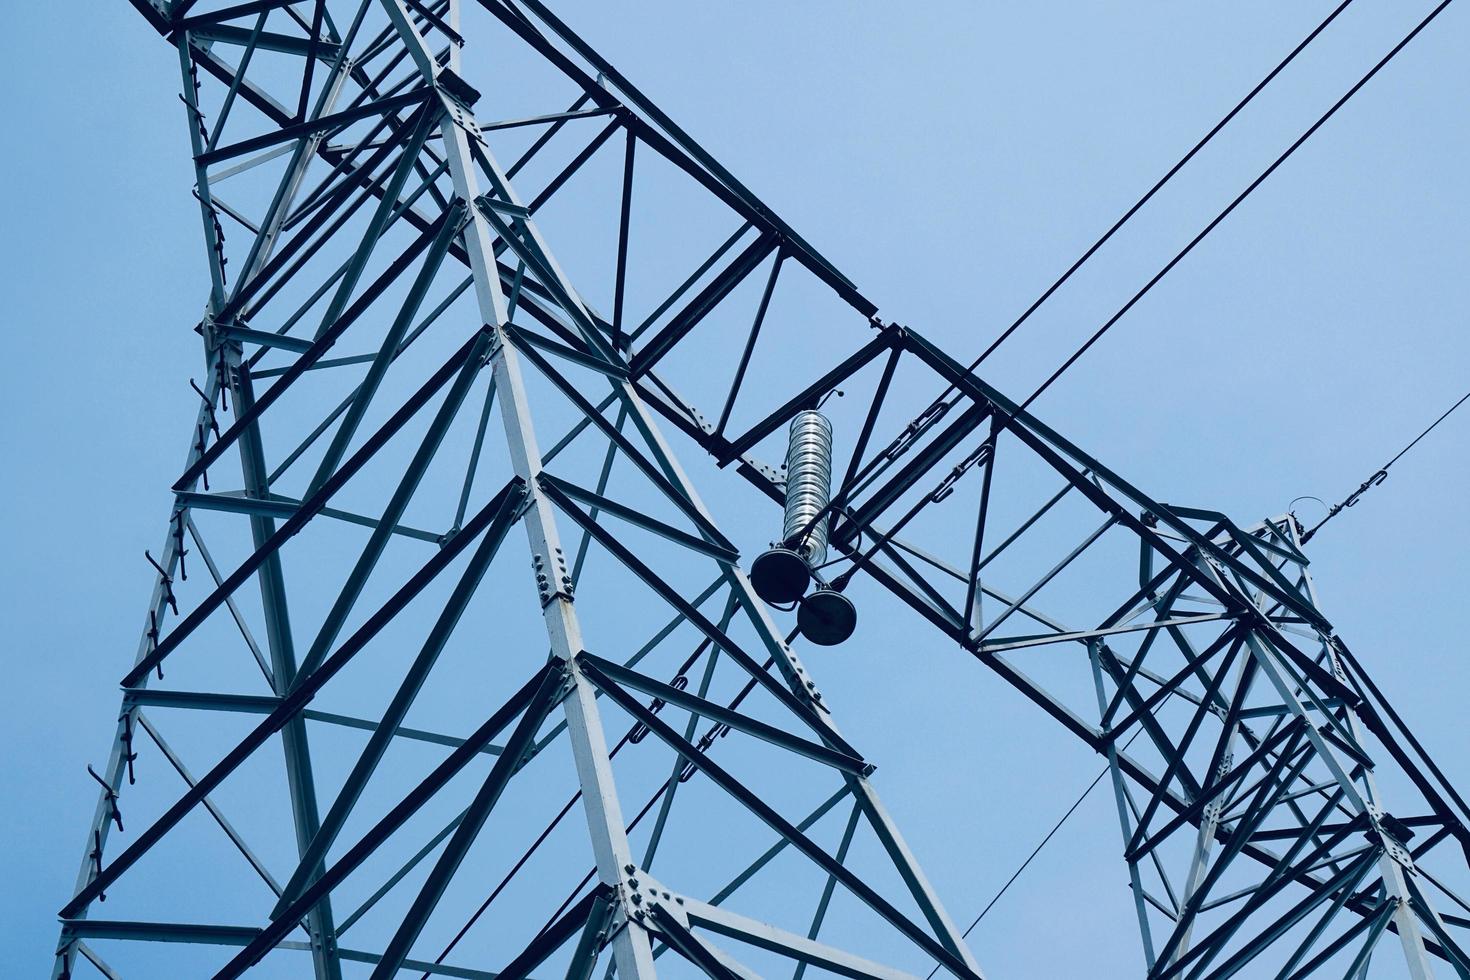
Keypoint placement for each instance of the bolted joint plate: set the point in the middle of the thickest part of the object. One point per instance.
(459, 98)
(1386, 832)
(553, 579)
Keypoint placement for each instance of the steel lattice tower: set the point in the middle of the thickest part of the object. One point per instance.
(391, 701)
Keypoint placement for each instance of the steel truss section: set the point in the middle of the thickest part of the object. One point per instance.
(381, 284)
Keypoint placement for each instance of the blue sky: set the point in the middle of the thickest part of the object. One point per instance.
(952, 159)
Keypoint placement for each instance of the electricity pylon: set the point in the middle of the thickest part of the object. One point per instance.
(377, 719)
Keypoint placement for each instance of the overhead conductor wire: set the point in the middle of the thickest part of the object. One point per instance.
(1381, 473)
(1164, 271)
(1373, 481)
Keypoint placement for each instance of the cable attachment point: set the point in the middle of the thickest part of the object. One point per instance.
(200, 445)
(152, 634)
(166, 580)
(640, 731)
(114, 814)
(129, 756)
(208, 407)
(179, 549)
(946, 486)
(95, 856)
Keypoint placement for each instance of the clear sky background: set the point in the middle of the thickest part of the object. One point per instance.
(952, 159)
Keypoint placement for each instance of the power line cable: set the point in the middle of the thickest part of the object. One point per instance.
(1037, 850)
(938, 408)
(1371, 482)
(1381, 473)
(1229, 208)
(1158, 185)
(1160, 275)
(910, 434)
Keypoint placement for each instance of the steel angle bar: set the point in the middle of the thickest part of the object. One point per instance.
(255, 704)
(781, 844)
(304, 148)
(805, 950)
(251, 93)
(308, 508)
(1041, 583)
(855, 464)
(594, 771)
(419, 966)
(209, 805)
(609, 457)
(1082, 636)
(809, 396)
(90, 955)
(519, 703)
(589, 942)
(1202, 881)
(220, 176)
(860, 889)
(264, 705)
(287, 262)
(235, 614)
(264, 338)
(320, 345)
(411, 734)
(1194, 664)
(603, 673)
(450, 859)
(888, 546)
(313, 127)
(1345, 880)
(750, 339)
(413, 679)
(825, 902)
(724, 282)
(600, 901)
(906, 479)
(687, 945)
(392, 880)
(1069, 461)
(705, 626)
(1143, 842)
(564, 491)
(265, 40)
(547, 136)
(232, 12)
(634, 455)
(555, 117)
(672, 783)
(576, 164)
(413, 474)
(1424, 910)
(278, 505)
(224, 936)
(1328, 916)
(1206, 949)
(1371, 926)
(529, 246)
(523, 338)
(159, 932)
(362, 396)
(251, 42)
(677, 146)
(1180, 746)
(290, 458)
(289, 707)
(300, 780)
(688, 283)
